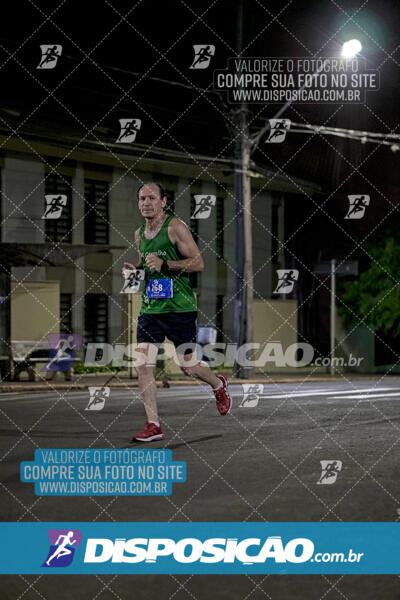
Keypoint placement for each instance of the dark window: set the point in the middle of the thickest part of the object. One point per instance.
(194, 223)
(1, 205)
(219, 240)
(194, 228)
(219, 317)
(387, 349)
(65, 313)
(59, 230)
(170, 207)
(96, 212)
(96, 318)
(274, 233)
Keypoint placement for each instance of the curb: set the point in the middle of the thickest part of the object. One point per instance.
(133, 383)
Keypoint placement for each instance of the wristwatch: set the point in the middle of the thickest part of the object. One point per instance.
(164, 267)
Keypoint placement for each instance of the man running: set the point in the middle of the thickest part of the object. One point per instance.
(62, 549)
(54, 206)
(50, 55)
(203, 55)
(168, 254)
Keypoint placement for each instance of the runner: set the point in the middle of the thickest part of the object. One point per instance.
(50, 55)
(168, 253)
(53, 206)
(62, 347)
(128, 130)
(62, 549)
(287, 280)
(204, 206)
(203, 56)
(358, 206)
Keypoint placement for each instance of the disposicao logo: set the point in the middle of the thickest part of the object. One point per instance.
(191, 550)
(62, 547)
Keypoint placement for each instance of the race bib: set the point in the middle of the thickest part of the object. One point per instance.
(160, 288)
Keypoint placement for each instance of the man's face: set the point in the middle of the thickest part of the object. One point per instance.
(151, 204)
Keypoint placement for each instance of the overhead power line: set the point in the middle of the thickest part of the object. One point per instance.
(364, 137)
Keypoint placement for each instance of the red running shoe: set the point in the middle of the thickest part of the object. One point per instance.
(223, 399)
(150, 433)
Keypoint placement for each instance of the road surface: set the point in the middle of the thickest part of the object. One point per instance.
(260, 463)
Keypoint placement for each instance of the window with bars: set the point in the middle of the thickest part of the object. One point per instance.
(194, 223)
(194, 228)
(219, 317)
(59, 230)
(96, 318)
(170, 207)
(65, 313)
(275, 233)
(219, 239)
(1, 205)
(96, 212)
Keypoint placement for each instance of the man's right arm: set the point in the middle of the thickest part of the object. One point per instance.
(138, 264)
(137, 246)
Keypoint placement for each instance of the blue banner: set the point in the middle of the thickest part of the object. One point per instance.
(200, 548)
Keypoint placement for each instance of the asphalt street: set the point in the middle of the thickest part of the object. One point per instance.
(260, 463)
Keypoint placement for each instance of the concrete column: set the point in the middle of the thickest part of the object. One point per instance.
(78, 207)
(182, 200)
(229, 253)
(124, 220)
(208, 289)
(5, 327)
(23, 200)
(262, 230)
(23, 207)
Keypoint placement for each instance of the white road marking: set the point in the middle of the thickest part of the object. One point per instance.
(366, 396)
(332, 393)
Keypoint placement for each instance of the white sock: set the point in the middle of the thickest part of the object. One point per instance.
(217, 388)
(156, 423)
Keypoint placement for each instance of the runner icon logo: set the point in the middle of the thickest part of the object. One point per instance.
(50, 55)
(54, 206)
(97, 397)
(202, 56)
(251, 394)
(61, 355)
(132, 281)
(204, 205)
(279, 129)
(129, 129)
(357, 206)
(286, 280)
(63, 543)
(330, 470)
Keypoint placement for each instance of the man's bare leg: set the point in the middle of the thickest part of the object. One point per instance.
(219, 384)
(200, 370)
(147, 382)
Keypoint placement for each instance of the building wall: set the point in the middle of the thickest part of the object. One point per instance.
(23, 184)
(22, 199)
(39, 300)
(274, 321)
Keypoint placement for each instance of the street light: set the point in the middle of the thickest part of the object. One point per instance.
(351, 48)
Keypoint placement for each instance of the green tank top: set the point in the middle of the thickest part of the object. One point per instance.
(184, 299)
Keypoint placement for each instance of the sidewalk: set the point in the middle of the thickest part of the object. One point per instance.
(121, 380)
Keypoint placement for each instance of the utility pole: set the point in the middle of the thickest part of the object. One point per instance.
(333, 314)
(243, 317)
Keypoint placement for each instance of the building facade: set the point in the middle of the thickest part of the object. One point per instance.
(101, 211)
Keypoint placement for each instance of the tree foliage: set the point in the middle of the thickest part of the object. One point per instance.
(375, 296)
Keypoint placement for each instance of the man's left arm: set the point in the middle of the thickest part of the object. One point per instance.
(180, 235)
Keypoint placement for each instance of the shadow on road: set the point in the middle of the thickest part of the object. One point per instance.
(174, 446)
